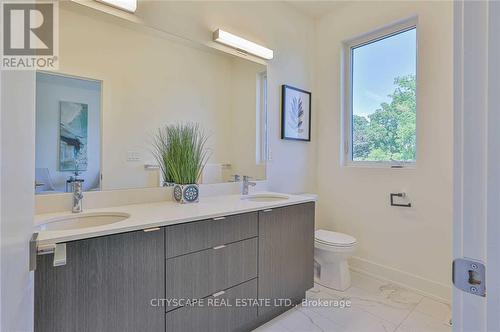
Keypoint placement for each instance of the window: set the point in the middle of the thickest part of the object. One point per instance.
(380, 90)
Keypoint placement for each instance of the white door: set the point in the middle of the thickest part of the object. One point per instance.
(477, 159)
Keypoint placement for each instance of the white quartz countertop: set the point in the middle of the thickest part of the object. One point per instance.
(157, 214)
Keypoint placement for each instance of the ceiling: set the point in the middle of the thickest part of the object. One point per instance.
(316, 9)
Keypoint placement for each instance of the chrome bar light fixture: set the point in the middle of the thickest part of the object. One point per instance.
(127, 5)
(242, 44)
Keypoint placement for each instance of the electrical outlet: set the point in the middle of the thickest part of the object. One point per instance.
(133, 156)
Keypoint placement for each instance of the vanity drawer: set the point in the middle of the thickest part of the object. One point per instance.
(197, 275)
(190, 237)
(218, 314)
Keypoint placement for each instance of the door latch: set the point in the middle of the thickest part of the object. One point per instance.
(469, 276)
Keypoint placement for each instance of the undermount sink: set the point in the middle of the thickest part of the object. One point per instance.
(83, 220)
(265, 197)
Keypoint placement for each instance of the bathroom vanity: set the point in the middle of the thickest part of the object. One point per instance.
(224, 264)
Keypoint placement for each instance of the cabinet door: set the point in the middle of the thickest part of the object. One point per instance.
(107, 285)
(286, 255)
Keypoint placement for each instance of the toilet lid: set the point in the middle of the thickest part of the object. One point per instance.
(334, 238)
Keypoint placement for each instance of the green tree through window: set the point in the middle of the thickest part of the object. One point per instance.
(389, 133)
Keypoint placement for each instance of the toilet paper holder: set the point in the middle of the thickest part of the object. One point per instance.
(402, 195)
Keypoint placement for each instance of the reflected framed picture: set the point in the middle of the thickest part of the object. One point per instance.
(73, 136)
(295, 114)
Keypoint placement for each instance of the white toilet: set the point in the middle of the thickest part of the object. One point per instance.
(331, 251)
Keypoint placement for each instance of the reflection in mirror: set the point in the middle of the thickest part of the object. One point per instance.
(68, 133)
(142, 79)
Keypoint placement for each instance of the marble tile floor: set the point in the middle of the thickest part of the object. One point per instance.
(375, 306)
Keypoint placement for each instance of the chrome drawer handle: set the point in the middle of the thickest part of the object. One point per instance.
(219, 247)
(219, 218)
(219, 293)
(151, 229)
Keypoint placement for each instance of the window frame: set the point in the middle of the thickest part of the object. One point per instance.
(346, 96)
(262, 141)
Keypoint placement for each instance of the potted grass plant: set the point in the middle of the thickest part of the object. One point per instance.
(182, 159)
(160, 150)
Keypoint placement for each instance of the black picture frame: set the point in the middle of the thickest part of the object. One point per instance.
(285, 89)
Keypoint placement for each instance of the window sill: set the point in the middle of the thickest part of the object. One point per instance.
(379, 165)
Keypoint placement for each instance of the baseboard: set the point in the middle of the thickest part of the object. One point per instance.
(423, 286)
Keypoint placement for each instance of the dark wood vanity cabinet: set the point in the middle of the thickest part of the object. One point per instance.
(109, 282)
(218, 319)
(106, 285)
(200, 235)
(286, 256)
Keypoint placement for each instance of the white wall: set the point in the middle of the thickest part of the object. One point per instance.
(17, 201)
(50, 91)
(277, 26)
(1, 260)
(411, 246)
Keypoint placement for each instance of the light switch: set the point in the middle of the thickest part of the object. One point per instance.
(133, 156)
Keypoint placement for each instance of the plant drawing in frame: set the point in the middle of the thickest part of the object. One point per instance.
(295, 114)
(73, 131)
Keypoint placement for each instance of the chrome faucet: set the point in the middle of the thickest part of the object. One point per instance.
(245, 184)
(235, 178)
(77, 197)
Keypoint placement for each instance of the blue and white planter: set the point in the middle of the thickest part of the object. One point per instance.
(186, 193)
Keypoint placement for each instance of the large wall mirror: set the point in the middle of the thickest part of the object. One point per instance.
(119, 82)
